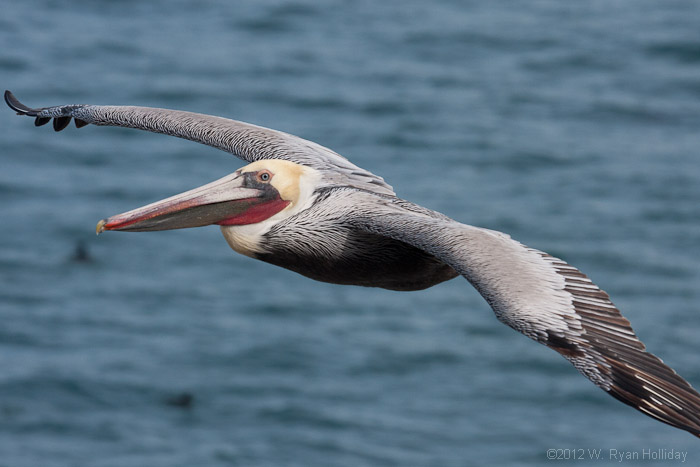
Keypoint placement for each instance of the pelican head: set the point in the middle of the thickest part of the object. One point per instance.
(244, 203)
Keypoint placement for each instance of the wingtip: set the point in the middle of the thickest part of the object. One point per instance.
(61, 115)
(17, 106)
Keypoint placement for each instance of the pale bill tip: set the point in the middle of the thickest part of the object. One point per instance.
(100, 226)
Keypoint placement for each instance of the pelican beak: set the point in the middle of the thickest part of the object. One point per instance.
(219, 202)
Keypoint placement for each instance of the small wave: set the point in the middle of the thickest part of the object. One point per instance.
(14, 64)
(679, 51)
(282, 18)
(398, 364)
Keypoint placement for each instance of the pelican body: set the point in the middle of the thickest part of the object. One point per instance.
(303, 207)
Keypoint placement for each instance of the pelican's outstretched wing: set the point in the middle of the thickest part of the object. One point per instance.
(547, 300)
(249, 142)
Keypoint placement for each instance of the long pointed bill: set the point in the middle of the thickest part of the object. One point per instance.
(225, 201)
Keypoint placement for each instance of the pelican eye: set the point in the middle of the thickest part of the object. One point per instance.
(264, 176)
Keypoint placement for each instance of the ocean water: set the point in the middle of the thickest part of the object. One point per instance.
(572, 126)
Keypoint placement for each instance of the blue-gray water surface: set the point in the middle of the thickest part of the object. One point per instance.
(572, 126)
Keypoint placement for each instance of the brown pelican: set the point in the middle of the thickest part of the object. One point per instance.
(303, 207)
